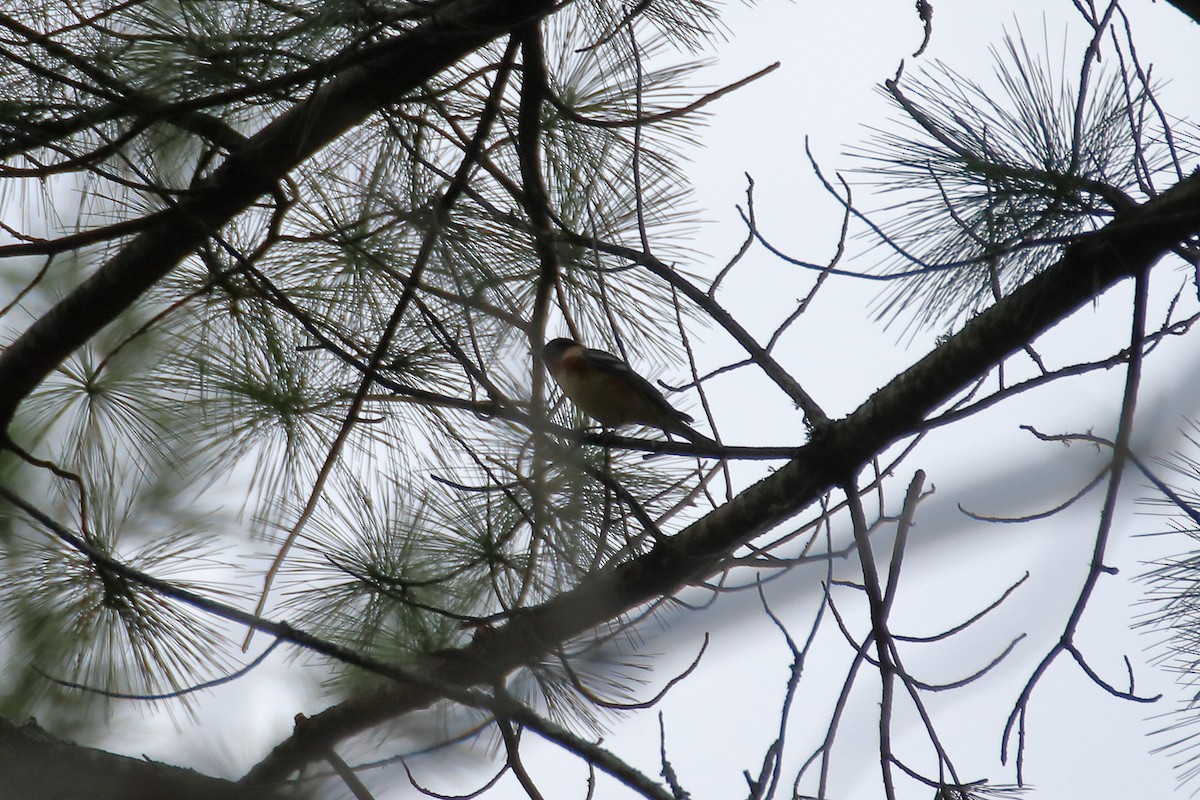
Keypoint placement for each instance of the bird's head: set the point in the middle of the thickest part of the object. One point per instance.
(553, 350)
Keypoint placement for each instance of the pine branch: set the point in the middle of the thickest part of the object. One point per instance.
(401, 66)
(1126, 247)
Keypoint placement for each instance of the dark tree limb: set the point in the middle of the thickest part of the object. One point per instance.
(1126, 247)
(35, 764)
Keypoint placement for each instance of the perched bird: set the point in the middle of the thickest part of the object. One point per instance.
(605, 388)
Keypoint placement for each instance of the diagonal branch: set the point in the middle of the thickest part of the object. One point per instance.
(1130, 245)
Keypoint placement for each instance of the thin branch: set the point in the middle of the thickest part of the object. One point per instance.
(507, 707)
(1107, 512)
(233, 676)
(662, 116)
(1105, 685)
(639, 704)
(970, 620)
(668, 771)
(1050, 512)
(880, 636)
(352, 781)
(512, 746)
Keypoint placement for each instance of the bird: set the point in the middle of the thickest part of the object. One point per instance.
(607, 389)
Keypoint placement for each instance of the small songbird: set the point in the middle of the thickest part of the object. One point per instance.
(605, 388)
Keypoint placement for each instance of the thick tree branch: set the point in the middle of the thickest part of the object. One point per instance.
(35, 764)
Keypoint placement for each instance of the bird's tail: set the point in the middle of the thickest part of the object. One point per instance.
(681, 428)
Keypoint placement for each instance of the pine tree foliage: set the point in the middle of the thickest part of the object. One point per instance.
(993, 182)
(244, 360)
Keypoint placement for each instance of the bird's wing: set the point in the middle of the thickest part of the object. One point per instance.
(611, 364)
